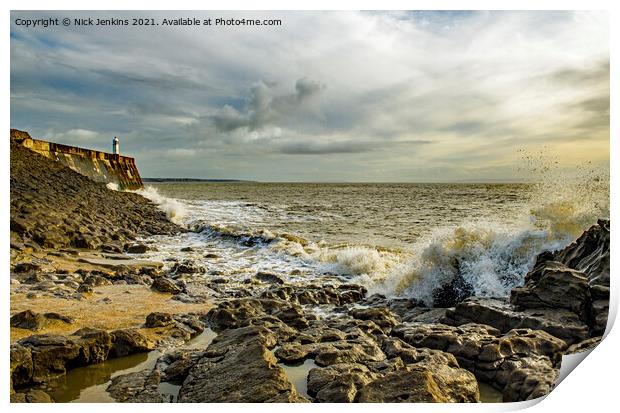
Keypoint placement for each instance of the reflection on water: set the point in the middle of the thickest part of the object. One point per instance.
(202, 340)
(88, 384)
(169, 391)
(297, 374)
(489, 394)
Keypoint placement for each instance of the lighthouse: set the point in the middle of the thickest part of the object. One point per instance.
(115, 146)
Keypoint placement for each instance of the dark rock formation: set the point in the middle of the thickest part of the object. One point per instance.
(502, 315)
(492, 356)
(31, 396)
(138, 387)
(53, 206)
(165, 285)
(36, 321)
(269, 277)
(318, 294)
(52, 355)
(159, 320)
(245, 311)
(575, 278)
(383, 317)
(21, 366)
(238, 367)
(137, 249)
(187, 267)
(129, 341)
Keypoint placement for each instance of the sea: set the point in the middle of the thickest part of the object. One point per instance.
(396, 239)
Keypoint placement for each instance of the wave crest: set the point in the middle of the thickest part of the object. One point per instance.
(175, 211)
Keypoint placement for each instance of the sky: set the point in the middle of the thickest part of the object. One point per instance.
(326, 96)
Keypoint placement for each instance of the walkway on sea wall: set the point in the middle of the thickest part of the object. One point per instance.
(99, 166)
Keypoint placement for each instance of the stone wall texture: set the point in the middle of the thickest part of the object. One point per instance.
(99, 166)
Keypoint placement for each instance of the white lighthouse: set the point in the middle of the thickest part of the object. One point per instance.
(115, 146)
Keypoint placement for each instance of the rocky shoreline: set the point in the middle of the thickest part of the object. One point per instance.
(71, 245)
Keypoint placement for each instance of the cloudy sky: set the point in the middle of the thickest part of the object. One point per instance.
(333, 96)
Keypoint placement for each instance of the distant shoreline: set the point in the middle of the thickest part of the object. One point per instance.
(490, 182)
(191, 180)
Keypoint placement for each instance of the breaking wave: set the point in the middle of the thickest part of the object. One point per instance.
(490, 258)
(175, 210)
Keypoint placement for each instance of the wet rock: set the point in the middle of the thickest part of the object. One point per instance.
(453, 292)
(383, 317)
(424, 315)
(111, 247)
(242, 311)
(403, 387)
(52, 354)
(483, 350)
(21, 365)
(220, 280)
(317, 294)
(159, 320)
(530, 378)
(584, 345)
(59, 317)
(269, 277)
(553, 285)
(497, 313)
(330, 353)
(30, 320)
(575, 278)
(186, 327)
(191, 299)
(174, 365)
(137, 249)
(129, 341)
(137, 387)
(589, 254)
(396, 348)
(187, 267)
(338, 383)
(599, 312)
(187, 249)
(31, 396)
(26, 267)
(85, 289)
(165, 285)
(138, 279)
(238, 356)
(96, 280)
(347, 352)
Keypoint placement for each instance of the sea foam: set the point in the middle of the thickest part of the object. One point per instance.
(175, 211)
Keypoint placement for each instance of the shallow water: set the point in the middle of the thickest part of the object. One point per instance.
(88, 384)
(489, 394)
(297, 374)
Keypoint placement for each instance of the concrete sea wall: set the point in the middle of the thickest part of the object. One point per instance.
(99, 166)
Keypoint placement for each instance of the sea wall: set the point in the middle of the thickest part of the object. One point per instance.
(99, 166)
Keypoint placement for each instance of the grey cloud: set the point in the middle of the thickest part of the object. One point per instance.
(593, 76)
(264, 106)
(310, 147)
(306, 88)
